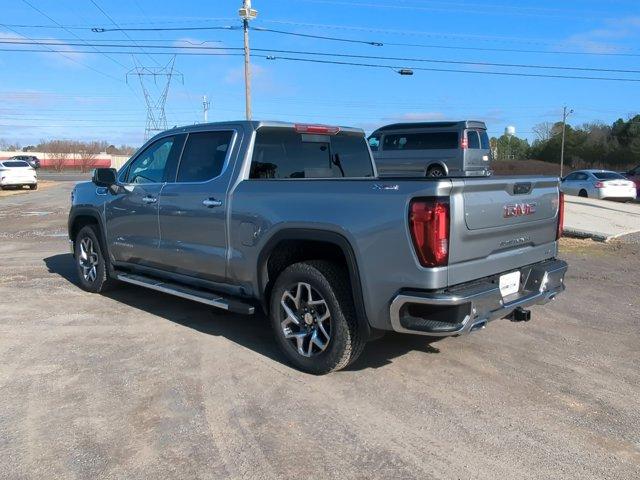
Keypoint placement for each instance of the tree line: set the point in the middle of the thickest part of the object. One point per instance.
(59, 152)
(590, 145)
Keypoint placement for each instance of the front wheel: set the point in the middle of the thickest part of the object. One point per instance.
(33, 187)
(313, 317)
(90, 261)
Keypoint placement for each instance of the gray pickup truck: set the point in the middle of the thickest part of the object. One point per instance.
(293, 220)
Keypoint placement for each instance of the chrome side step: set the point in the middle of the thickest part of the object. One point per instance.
(202, 296)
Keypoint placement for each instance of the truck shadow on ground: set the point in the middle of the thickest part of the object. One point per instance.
(252, 332)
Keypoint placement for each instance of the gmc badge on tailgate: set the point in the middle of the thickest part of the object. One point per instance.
(519, 209)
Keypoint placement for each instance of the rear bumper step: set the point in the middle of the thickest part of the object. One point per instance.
(469, 307)
(201, 296)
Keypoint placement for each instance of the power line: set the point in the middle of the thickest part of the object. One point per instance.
(162, 29)
(69, 31)
(321, 37)
(118, 26)
(386, 44)
(369, 65)
(452, 70)
(450, 35)
(62, 53)
(345, 55)
(453, 36)
(513, 50)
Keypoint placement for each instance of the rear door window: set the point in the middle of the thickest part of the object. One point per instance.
(473, 139)
(484, 140)
(285, 153)
(204, 156)
(421, 141)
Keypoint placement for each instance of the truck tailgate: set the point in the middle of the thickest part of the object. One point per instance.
(501, 224)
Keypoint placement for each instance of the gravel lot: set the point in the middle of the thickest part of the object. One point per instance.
(137, 384)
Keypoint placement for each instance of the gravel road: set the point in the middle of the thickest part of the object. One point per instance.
(137, 384)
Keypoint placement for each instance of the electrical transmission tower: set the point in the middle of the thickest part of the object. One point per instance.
(156, 116)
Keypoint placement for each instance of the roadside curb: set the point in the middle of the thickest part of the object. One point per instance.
(595, 236)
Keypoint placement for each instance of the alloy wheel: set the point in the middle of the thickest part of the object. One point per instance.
(305, 319)
(88, 259)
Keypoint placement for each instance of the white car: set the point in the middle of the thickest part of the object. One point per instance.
(598, 184)
(17, 173)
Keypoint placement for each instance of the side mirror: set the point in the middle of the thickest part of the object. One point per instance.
(104, 177)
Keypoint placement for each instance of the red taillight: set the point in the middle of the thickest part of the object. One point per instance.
(317, 129)
(429, 225)
(464, 141)
(560, 216)
(599, 185)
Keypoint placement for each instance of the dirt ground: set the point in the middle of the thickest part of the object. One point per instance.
(42, 184)
(138, 384)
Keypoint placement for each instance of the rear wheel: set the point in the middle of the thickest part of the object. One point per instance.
(33, 187)
(583, 193)
(313, 317)
(90, 261)
(436, 171)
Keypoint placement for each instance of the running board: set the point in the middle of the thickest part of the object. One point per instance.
(202, 296)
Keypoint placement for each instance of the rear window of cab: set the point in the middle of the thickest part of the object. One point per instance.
(284, 153)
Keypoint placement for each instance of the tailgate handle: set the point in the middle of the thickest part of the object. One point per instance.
(522, 188)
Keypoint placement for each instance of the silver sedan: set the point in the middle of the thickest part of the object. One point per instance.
(598, 184)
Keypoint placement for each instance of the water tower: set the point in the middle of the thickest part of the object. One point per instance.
(510, 132)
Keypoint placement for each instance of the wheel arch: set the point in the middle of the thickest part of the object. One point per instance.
(83, 217)
(327, 244)
(437, 163)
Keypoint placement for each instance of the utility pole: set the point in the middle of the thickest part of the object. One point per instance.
(565, 114)
(246, 14)
(205, 108)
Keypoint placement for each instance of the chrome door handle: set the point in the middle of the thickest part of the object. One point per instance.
(149, 199)
(211, 202)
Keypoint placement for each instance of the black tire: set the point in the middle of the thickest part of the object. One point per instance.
(33, 187)
(436, 171)
(583, 194)
(331, 282)
(100, 281)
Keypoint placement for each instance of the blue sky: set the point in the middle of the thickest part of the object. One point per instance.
(84, 94)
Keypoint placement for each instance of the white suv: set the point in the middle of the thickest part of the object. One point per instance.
(17, 173)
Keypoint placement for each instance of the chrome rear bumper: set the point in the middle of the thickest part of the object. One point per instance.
(467, 307)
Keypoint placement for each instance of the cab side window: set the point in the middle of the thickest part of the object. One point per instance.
(150, 165)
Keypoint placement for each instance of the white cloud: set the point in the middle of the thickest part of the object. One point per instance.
(68, 55)
(600, 40)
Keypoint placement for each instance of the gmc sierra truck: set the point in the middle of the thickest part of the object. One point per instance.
(292, 220)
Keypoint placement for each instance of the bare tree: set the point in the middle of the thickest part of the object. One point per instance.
(58, 152)
(544, 131)
(88, 151)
